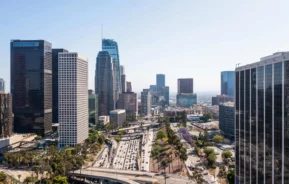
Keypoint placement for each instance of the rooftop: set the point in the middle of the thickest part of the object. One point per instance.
(117, 111)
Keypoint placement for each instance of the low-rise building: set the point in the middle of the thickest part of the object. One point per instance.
(103, 120)
(128, 102)
(117, 117)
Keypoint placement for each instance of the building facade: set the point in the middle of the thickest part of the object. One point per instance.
(161, 80)
(128, 87)
(186, 100)
(103, 120)
(228, 83)
(6, 116)
(93, 109)
(227, 119)
(111, 47)
(2, 86)
(117, 117)
(145, 102)
(55, 83)
(122, 71)
(104, 83)
(186, 85)
(73, 108)
(128, 102)
(31, 86)
(262, 120)
(220, 99)
(123, 83)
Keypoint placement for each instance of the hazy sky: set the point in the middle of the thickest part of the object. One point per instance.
(180, 38)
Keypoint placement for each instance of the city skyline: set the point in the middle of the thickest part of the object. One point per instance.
(203, 43)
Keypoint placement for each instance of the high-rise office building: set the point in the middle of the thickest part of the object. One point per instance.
(104, 83)
(2, 86)
(122, 71)
(55, 83)
(73, 97)
(6, 117)
(161, 80)
(128, 87)
(111, 47)
(154, 95)
(123, 83)
(186, 85)
(262, 120)
(227, 119)
(93, 108)
(128, 101)
(186, 99)
(145, 102)
(31, 86)
(227, 83)
(167, 95)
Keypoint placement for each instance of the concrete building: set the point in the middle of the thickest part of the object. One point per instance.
(6, 116)
(262, 120)
(128, 87)
(73, 96)
(186, 85)
(186, 100)
(123, 83)
(122, 71)
(128, 101)
(117, 117)
(145, 102)
(227, 83)
(55, 83)
(103, 120)
(220, 99)
(91, 92)
(161, 80)
(31, 86)
(104, 83)
(93, 109)
(2, 86)
(227, 119)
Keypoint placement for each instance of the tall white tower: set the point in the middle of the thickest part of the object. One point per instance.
(73, 99)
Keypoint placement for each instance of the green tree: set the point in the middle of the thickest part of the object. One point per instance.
(231, 176)
(222, 172)
(38, 137)
(2, 177)
(212, 159)
(30, 179)
(218, 138)
(197, 177)
(161, 134)
(208, 151)
(60, 180)
(206, 135)
(227, 154)
(118, 138)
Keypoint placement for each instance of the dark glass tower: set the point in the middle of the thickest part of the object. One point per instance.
(31, 85)
(261, 121)
(186, 85)
(55, 83)
(104, 83)
(227, 83)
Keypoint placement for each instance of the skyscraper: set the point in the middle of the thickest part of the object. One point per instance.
(104, 85)
(262, 120)
(55, 83)
(167, 95)
(111, 47)
(227, 83)
(73, 97)
(6, 117)
(128, 87)
(122, 71)
(128, 101)
(226, 119)
(145, 102)
(186, 85)
(93, 109)
(2, 86)
(31, 85)
(123, 83)
(161, 81)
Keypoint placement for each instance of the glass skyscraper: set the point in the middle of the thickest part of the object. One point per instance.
(161, 80)
(111, 47)
(31, 85)
(262, 120)
(227, 83)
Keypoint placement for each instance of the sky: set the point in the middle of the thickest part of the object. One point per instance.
(178, 38)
